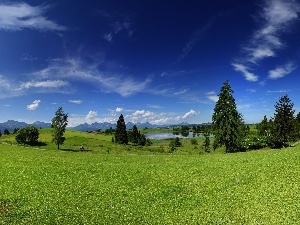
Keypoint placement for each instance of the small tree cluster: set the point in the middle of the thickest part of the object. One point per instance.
(6, 132)
(175, 143)
(28, 135)
(135, 137)
(280, 130)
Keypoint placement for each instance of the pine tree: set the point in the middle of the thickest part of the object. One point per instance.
(121, 136)
(206, 143)
(59, 123)
(284, 126)
(135, 135)
(227, 123)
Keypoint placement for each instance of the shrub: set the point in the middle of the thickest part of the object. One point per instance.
(175, 143)
(254, 143)
(28, 135)
(194, 142)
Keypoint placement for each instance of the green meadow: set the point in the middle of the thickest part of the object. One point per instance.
(111, 184)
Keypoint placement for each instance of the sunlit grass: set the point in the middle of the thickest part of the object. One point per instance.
(134, 186)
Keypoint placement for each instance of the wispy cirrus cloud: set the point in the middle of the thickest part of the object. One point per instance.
(276, 17)
(78, 102)
(278, 91)
(281, 71)
(245, 71)
(154, 106)
(4, 82)
(72, 70)
(19, 16)
(43, 84)
(118, 24)
(196, 37)
(28, 57)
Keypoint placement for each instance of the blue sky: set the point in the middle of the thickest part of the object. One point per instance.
(153, 61)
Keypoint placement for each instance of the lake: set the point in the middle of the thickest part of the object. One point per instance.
(168, 135)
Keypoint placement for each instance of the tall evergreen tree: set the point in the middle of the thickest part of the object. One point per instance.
(227, 124)
(121, 136)
(284, 127)
(135, 135)
(59, 123)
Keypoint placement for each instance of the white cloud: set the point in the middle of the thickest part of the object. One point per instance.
(183, 91)
(278, 91)
(91, 115)
(34, 105)
(189, 114)
(139, 113)
(76, 101)
(20, 16)
(143, 116)
(4, 83)
(119, 109)
(28, 57)
(75, 69)
(43, 84)
(241, 68)
(154, 106)
(276, 18)
(261, 53)
(282, 71)
(212, 96)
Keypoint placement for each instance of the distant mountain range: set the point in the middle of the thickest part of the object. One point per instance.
(129, 125)
(106, 125)
(12, 124)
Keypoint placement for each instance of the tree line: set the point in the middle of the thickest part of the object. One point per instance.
(122, 136)
(230, 130)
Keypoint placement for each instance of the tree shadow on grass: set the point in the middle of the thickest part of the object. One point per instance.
(74, 150)
(39, 144)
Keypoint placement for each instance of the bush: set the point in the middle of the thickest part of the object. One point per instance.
(194, 142)
(254, 143)
(28, 135)
(175, 143)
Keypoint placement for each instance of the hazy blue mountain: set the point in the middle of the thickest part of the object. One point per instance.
(12, 124)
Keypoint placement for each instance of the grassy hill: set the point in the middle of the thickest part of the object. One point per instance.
(47, 186)
(102, 143)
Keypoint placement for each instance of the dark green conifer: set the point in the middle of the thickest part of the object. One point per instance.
(284, 128)
(227, 124)
(121, 133)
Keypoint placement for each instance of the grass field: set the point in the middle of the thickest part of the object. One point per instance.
(49, 186)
